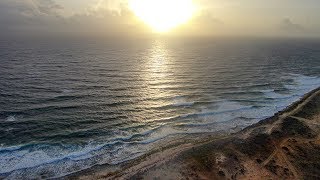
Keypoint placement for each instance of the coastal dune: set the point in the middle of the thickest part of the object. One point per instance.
(285, 146)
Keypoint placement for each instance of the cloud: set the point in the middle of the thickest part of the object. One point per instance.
(30, 8)
(105, 17)
(48, 7)
(47, 16)
(111, 17)
(290, 27)
(115, 6)
(206, 18)
(18, 14)
(29, 17)
(202, 24)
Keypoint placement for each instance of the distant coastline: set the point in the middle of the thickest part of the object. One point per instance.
(286, 145)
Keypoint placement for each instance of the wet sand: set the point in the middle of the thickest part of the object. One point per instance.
(285, 146)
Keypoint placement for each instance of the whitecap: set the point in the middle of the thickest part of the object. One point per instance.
(181, 101)
(11, 118)
(184, 104)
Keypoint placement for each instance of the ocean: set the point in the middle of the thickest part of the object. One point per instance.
(68, 105)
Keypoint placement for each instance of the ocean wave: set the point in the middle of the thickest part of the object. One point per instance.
(183, 104)
(11, 118)
(182, 101)
(133, 140)
(230, 120)
(274, 95)
(211, 113)
(37, 155)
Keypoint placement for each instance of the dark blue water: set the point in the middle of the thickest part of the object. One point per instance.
(66, 105)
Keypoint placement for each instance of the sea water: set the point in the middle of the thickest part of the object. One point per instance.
(67, 105)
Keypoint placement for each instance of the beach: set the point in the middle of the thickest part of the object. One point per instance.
(286, 146)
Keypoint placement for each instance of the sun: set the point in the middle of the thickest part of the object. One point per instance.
(163, 15)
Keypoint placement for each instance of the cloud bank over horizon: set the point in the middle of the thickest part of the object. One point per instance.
(113, 17)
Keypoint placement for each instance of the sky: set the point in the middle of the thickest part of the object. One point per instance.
(114, 18)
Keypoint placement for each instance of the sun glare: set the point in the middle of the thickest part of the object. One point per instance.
(163, 15)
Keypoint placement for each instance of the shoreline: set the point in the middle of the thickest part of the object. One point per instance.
(229, 156)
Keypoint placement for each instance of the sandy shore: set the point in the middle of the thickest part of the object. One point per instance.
(285, 146)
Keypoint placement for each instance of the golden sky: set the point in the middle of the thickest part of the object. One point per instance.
(174, 17)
